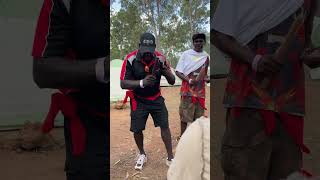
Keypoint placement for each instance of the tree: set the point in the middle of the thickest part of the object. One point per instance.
(196, 13)
(171, 21)
(125, 30)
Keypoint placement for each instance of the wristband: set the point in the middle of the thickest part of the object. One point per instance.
(141, 84)
(255, 62)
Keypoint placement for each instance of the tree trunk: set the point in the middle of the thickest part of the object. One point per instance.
(154, 20)
(158, 24)
(190, 15)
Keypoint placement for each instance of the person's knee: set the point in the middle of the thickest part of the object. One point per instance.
(138, 133)
(165, 129)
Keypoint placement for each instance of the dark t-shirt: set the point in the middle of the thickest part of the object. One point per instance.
(134, 69)
(77, 30)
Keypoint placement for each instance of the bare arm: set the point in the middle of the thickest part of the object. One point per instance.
(182, 76)
(130, 84)
(149, 81)
(227, 44)
(166, 70)
(230, 46)
(169, 76)
(311, 59)
(56, 72)
(207, 78)
(50, 67)
(314, 11)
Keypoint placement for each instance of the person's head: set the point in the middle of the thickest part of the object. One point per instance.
(147, 46)
(198, 41)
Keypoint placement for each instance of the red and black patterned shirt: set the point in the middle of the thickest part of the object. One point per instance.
(287, 88)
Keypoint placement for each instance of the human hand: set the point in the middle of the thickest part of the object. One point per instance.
(192, 81)
(311, 57)
(164, 63)
(207, 79)
(149, 81)
(267, 65)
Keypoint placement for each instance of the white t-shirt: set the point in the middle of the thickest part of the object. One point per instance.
(190, 61)
(246, 19)
(192, 158)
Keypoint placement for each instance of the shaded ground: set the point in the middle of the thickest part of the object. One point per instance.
(45, 164)
(124, 151)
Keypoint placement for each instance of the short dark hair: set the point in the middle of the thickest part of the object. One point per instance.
(199, 36)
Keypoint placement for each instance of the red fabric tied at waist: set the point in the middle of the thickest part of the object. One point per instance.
(132, 99)
(68, 107)
(131, 95)
(194, 100)
(292, 124)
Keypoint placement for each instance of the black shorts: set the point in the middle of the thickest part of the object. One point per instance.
(156, 108)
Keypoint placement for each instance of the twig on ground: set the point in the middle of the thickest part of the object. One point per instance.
(116, 162)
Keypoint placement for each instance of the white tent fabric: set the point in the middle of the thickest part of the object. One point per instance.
(21, 99)
(116, 93)
(164, 82)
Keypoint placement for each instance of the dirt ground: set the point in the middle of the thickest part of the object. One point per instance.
(43, 164)
(123, 149)
(48, 163)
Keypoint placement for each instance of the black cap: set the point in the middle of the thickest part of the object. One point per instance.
(147, 43)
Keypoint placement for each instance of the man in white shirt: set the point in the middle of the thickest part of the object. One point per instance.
(192, 70)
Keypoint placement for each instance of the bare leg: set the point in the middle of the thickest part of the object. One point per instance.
(138, 137)
(166, 137)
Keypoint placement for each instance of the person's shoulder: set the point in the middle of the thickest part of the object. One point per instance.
(158, 54)
(131, 54)
(187, 51)
(207, 54)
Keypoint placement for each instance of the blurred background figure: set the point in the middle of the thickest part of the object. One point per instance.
(192, 158)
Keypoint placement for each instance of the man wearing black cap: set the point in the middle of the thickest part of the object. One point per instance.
(192, 69)
(141, 73)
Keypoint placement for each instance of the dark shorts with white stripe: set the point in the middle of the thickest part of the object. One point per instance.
(156, 108)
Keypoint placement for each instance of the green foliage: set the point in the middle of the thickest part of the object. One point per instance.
(171, 21)
(126, 27)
